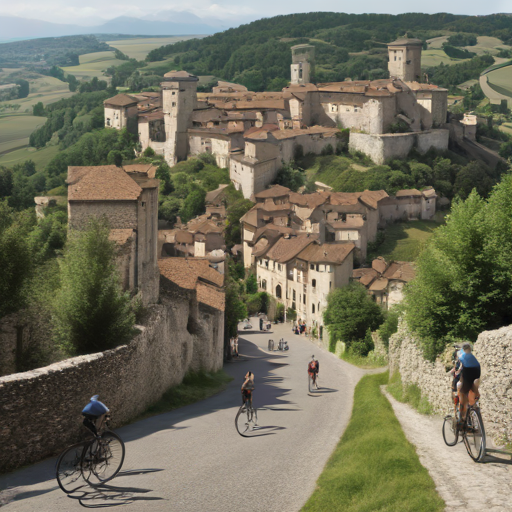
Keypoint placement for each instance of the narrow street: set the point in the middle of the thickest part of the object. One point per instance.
(193, 459)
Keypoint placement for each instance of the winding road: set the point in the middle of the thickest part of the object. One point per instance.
(193, 460)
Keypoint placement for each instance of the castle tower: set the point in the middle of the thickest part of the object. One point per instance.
(303, 63)
(179, 99)
(405, 59)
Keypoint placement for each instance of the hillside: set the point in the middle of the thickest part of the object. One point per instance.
(347, 45)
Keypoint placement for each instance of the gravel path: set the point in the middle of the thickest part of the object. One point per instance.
(463, 484)
(193, 460)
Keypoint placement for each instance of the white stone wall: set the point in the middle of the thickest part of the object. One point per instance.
(493, 349)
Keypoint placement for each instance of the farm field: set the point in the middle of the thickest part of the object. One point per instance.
(41, 157)
(93, 64)
(501, 80)
(46, 89)
(506, 128)
(138, 48)
(486, 44)
(15, 130)
(437, 56)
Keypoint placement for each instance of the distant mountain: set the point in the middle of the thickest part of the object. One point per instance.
(15, 28)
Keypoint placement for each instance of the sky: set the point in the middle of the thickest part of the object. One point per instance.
(90, 12)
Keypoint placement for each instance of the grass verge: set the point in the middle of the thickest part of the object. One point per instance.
(374, 467)
(195, 387)
(365, 362)
(410, 394)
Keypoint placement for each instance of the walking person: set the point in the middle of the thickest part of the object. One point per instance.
(235, 345)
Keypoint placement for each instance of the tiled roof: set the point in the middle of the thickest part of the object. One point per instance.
(274, 191)
(379, 264)
(120, 236)
(251, 218)
(401, 271)
(195, 273)
(326, 253)
(372, 197)
(183, 237)
(121, 100)
(148, 169)
(215, 194)
(405, 40)
(309, 200)
(101, 183)
(379, 284)
(350, 223)
(408, 193)
(287, 248)
(312, 130)
(429, 192)
(180, 75)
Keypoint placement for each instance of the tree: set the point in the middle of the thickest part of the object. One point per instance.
(15, 257)
(194, 204)
(72, 82)
(235, 211)
(115, 157)
(24, 88)
(251, 284)
(291, 177)
(463, 283)
(350, 312)
(235, 309)
(38, 109)
(506, 150)
(91, 312)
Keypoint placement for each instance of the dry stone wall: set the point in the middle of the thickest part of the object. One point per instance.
(40, 409)
(494, 351)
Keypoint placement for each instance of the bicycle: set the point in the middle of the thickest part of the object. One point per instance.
(97, 460)
(472, 431)
(246, 418)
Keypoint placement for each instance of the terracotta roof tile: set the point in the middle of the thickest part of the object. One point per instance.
(350, 223)
(379, 264)
(211, 296)
(401, 271)
(326, 253)
(274, 191)
(309, 200)
(148, 169)
(408, 193)
(379, 284)
(101, 183)
(121, 100)
(287, 248)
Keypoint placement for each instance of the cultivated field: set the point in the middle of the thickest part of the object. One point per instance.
(15, 130)
(485, 44)
(437, 56)
(138, 48)
(501, 80)
(93, 64)
(41, 157)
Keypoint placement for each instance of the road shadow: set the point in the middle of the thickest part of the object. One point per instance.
(493, 459)
(326, 390)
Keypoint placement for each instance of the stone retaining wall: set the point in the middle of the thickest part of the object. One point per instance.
(40, 409)
(494, 351)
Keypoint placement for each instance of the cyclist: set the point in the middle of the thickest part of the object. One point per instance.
(456, 378)
(94, 413)
(470, 372)
(313, 369)
(248, 387)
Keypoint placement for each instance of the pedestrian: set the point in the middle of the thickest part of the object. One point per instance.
(232, 346)
(235, 343)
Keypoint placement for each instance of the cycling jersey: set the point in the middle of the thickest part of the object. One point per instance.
(95, 408)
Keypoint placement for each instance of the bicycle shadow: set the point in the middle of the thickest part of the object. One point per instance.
(493, 459)
(326, 390)
(105, 495)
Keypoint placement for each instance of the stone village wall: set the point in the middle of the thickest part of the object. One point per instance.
(40, 409)
(493, 349)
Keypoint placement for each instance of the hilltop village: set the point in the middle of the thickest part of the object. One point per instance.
(253, 134)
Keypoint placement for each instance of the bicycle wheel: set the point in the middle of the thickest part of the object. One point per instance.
(310, 383)
(474, 437)
(242, 420)
(69, 467)
(103, 458)
(450, 431)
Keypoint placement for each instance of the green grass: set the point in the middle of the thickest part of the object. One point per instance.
(506, 128)
(15, 129)
(328, 168)
(93, 64)
(404, 240)
(366, 362)
(410, 394)
(195, 387)
(41, 157)
(501, 80)
(374, 467)
(138, 48)
(436, 57)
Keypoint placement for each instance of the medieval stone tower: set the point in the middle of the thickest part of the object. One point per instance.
(179, 98)
(303, 62)
(405, 59)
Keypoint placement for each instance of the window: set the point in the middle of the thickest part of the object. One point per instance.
(294, 296)
(174, 93)
(395, 57)
(317, 267)
(319, 307)
(264, 284)
(304, 298)
(312, 267)
(279, 267)
(300, 73)
(330, 285)
(313, 283)
(108, 121)
(278, 291)
(312, 308)
(143, 204)
(173, 103)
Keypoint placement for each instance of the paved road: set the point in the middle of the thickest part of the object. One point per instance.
(193, 460)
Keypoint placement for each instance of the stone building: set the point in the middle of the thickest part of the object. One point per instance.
(300, 271)
(385, 282)
(254, 133)
(119, 110)
(128, 198)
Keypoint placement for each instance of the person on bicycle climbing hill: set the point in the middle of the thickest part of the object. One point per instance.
(313, 368)
(248, 387)
(470, 372)
(456, 377)
(94, 413)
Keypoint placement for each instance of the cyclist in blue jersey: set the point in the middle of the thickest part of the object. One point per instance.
(470, 377)
(94, 413)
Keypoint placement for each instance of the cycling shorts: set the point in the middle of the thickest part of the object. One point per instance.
(469, 375)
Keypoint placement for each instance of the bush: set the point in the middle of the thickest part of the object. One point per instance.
(291, 315)
(390, 325)
(149, 152)
(251, 284)
(253, 304)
